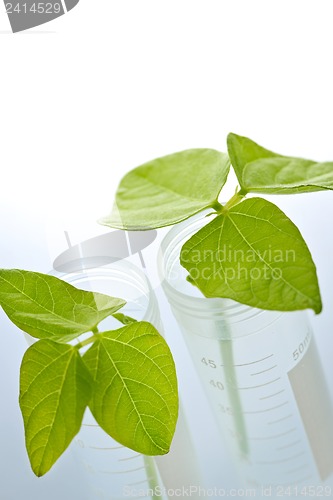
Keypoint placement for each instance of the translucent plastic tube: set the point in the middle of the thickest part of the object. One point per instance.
(114, 471)
(263, 377)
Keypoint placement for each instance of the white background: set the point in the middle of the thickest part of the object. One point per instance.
(115, 83)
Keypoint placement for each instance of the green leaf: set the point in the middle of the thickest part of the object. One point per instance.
(135, 392)
(262, 171)
(255, 255)
(242, 150)
(49, 308)
(55, 389)
(169, 189)
(287, 176)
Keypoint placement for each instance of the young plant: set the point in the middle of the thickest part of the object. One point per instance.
(126, 376)
(251, 251)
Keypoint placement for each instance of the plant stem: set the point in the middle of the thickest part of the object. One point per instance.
(152, 475)
(89, 340)
(234, 200)
(242, 192)
(234, 397)
(217, 206)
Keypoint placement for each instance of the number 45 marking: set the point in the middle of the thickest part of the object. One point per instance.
(208, 362)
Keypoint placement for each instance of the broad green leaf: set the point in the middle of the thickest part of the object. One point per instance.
(255, 255)
(55, 389)
(242, 150)
(287, 176)
(135, 391)
(169, 189)
(262, 171)
(49, 308)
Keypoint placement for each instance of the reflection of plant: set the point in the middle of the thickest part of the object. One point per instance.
(126, 377)
(277, 271)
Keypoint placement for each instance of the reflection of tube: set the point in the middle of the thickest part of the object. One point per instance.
(115, 471)
(262, 375)
(103, 249)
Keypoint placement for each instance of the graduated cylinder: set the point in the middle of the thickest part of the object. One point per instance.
(262, 375)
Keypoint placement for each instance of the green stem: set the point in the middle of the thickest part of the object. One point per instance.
(236, 198)
(233, 393)
(217, 206)
(242, 192)
(152, 475)
(89, 340)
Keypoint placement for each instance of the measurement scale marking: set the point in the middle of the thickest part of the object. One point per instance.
(264, 371)
(306, 478)
(261, 385)
(102, 448)
(281, 461)
(280, 419)
(304, 466)
(122, 471)
(299, 481)
(129, 458)
(275, 436)
(90, 425)
(272, 395)
(288, 445)
(253, 362)
(267, 409)
(140, 482)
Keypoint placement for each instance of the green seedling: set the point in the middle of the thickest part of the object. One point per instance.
(251, 251)
(125, 376)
